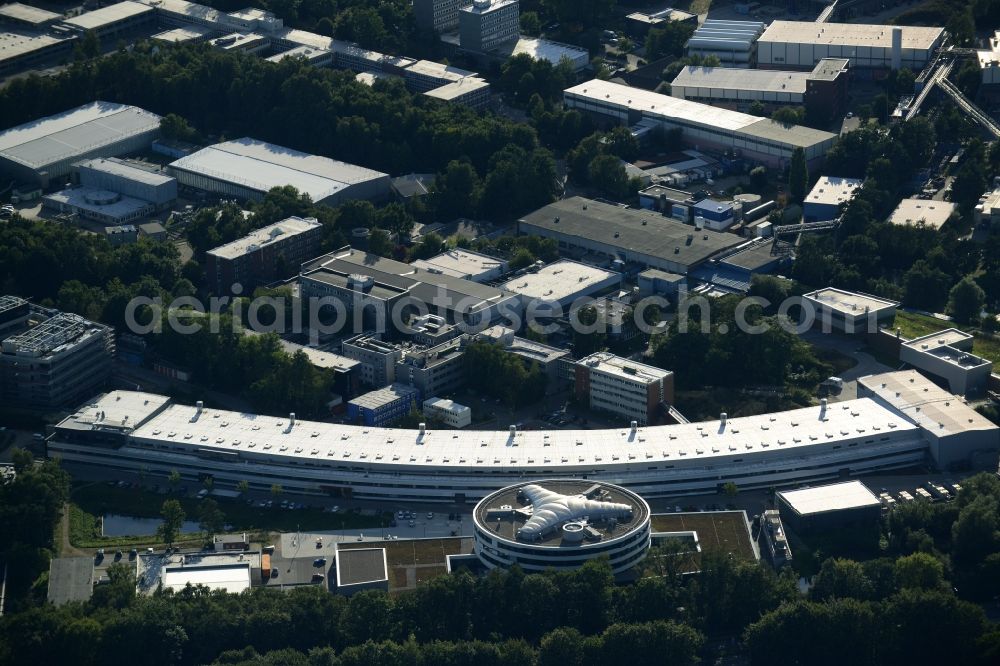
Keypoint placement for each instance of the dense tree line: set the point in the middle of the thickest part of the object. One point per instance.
(706, 345)
(314, 109)
(491, 370)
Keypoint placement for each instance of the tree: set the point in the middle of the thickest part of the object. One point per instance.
(607, 173)
(925, 287)
(173, 519)
(730, 489)
(276, 490)
(798, 175)
(965, 301)
(758, 178)
(919, 570)
(210, 516)
(174, 479)
(591, 336)
(788, 115)
(531, 24)
(243, 486)
(969, 184)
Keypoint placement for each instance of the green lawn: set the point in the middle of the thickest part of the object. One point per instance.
(95, 499)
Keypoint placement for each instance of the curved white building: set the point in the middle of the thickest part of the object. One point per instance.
(560, 524)
(131, 431)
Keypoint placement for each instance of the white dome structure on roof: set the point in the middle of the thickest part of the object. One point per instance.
(561, 524)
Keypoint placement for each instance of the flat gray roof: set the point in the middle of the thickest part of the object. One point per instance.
(731, 78)
(640, 231)
(70, 579)
(119, 167)
(361, 565)
(78, 131)
(290, 226)
(28, 14)
(261, 166)
(832, 497)
(184, 34)
(384, 396)
(16, 44)
(108, 15)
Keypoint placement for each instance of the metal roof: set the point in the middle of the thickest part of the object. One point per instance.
(261, 166)
(184, 34)
(109, 15)
(640, 231)
(28, 14)
(731, 78)
(121, 206)
(850, 34)
(782, 434)
(15, 44)
(119, 167)
(78, 131)
(832, 497)
(693, 114)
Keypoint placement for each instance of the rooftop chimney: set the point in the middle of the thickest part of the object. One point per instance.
(722, 417)
(291, 420)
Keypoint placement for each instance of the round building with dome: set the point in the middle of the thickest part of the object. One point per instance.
(561, 524)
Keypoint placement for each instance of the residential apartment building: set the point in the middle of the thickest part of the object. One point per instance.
(489, 23)
(50, 359)
(624, 387)
(270, 253)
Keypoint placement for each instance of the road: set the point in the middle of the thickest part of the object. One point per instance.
(865, 362)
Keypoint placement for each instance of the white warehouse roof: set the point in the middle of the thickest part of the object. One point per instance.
(99, 18)
(261, 166)
(260, 237)
(28, 14)
(849, 34)
(932, 213)
(694, 114)
(833, 497)
(732, 78)
(48, 140)
(561, 280)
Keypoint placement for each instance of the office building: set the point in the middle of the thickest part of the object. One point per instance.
(800, 45)
(245, 42)
(124, 234)
(119, 176)
(377, 358)
(436, 370)
(604, 232)
(947, 355)
(486, 24)
(832, 506)
(380, 294)
(635, 391)
(251, 18)
(112, 21)
(757, 139)
(44, 150)
(263, 256)
(448, 412)
(154, 231)
(431, 330)
(438, 15)
(248, 169)
(51, 359)
(807, 445)
(732, 42)
(848, 312)
(827, 198)
(713, 214)
(360, 569)
(22, 48)
(470, 91)
(191, 33)
(957, 435)
(181, 13)
(823, 91)
(561, 283)
(384, 406)
(928, 212)
(560, 525)
(314, 56)
(103, 206)
(465, 264)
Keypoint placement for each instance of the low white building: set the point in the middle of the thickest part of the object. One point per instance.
(929, 212)
(827, 196)
(988, 208)
(848, 312)
(448, 411)
(948, 356)
(562, 282)
(465, 264)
